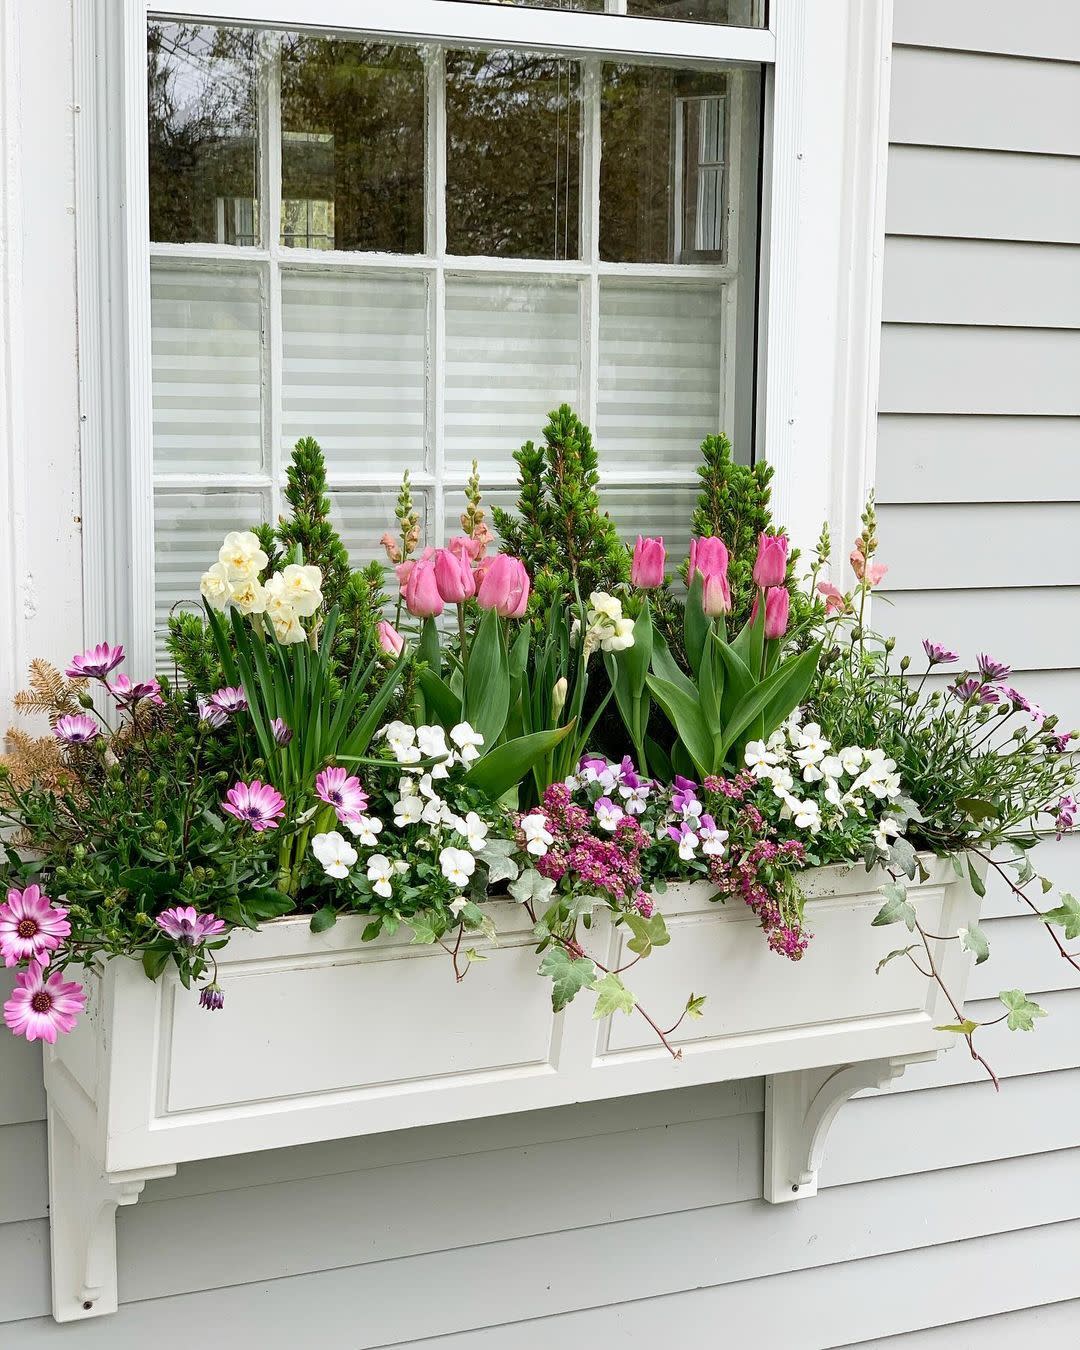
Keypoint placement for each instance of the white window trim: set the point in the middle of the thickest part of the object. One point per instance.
(826, 95)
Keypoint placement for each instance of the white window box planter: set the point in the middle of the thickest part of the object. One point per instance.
(324, 1037)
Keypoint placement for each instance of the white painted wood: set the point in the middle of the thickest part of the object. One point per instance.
(1036, 624)
(978, 194)
(985, 102)
(949, 458)
(960, 546)
(1046, 28)
(979, 370)
(1046, 1328)
(964, 281)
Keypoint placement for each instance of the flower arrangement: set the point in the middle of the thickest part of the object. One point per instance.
(554, 720)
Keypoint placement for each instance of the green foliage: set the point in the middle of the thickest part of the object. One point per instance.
(567, 543)
(1022, 1012)
(612, 996)
(1067, 915)
(191, 646)
(568, 975)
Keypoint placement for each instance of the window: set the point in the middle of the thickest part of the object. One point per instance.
(413, 251)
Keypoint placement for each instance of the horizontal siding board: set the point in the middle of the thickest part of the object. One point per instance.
(24, 1190)
(981, 281)
(24, 1275)
(982, 194)
(1051, 1327)
(1037, 625)
(943, 369)
(965, 545)
(1042, 28)
(984, 102)
(22, 1094)
(943, 458)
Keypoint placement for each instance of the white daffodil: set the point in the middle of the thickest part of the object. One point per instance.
(301, 586)
(458, 865)
(366, 830)
(608, 813)
(380, 872)
(216, 588)
(605, 626)
(467, 741)
(248, 596)
(475, 831)
(538, 838)
(407, 811)
(760, 759)
(288, 629)
(335, 853)
(242, 555)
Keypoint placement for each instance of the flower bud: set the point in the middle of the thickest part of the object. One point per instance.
(505, 587)
(647, 568)
(770, 566)
(422, 598)
(558, 696)
(453, 576)
(709, 556)
(715, 595)
(390, 640)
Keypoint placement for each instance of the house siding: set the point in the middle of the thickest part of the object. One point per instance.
(947, 1216)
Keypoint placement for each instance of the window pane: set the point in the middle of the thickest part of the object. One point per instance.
(204, 147)
(511, 356)
(353, 366)
(352, 146)
(660, 372)
(361, 518)
(512, 155)
(741, 13)
(653, 510)
(665, 149)
(188, 530)
(207, 369)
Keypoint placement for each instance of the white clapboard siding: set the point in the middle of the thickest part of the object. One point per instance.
(1046, 28)
(1049, 1327)
(985, 102)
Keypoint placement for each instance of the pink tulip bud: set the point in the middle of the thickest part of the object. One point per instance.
(390, 640)
(453, 576)
(770, 566)
(715, 594)
(647, 568)
(504, 587)
(777, 610)
(709, 556)
(422, 598)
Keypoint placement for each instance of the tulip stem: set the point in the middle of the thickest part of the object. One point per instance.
(461, 639)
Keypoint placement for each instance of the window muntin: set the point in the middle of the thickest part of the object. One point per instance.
(379, 315)
(739, 13)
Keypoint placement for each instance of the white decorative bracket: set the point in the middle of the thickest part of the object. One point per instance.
(800, 1108)
(82, 1220)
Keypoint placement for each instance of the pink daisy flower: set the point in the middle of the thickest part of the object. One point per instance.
(94, 663)
(257, 803)
(128, 692)
(343, 793)
(30, 926)
(76, 729)
(231, 699)
(39, 1007)
(184, 924)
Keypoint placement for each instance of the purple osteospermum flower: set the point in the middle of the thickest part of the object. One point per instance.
(211, 715)
(185, 924)
(211, 997)
(94, 663)
(971, 689)
(341, 791)
(128, 692)
(231, 699)
(938, 655)
(1015, 697)
(257, 803)
(1061, 743)
(76, 729)
(992, 671)
(39, 1007)
(31, 926)
(1065, 814)
(282, 732)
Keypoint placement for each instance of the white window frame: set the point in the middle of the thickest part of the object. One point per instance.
(826, 92)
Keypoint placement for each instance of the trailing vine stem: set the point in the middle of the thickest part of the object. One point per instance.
(1073, 958)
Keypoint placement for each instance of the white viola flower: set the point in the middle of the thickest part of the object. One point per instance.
(399, 736)
(432, 743)
(407, 787)
(854, 802)
(887, 828)
(216, 588)
(879, 777)
(778, 743)
(760, 759)
(434, 811)
(538, 838)
(636, 798)
(475, 831)
(812, 773)
(831, 766)
(248, 596)
(813, 747)
(427, 788)
(456, 906)
(851, 757)
(458, 865)
(688, 842)
(608, 813)
(467, 741)
(835, 797)
(782, 781)
(242, 555)
(407, 811)
(807, 815)
(365, 829)
(400, 867)
(712, 837)
(380, 872)
(335, 853)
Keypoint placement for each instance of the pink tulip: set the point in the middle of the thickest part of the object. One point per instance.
(422, 598)
(404, 569)
(390, 640)
(715, 594)
(777, 610)
(647, 568)
(709, 556)
(770, 566)
(835, 599)
(504, 587)
(453, 576)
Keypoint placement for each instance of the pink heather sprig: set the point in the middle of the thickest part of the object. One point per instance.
(31, 926)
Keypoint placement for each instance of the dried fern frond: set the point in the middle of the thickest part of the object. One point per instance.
(50, 692)
(36, 760)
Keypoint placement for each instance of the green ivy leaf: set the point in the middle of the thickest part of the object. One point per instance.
(1022, 1012)
(372, 931)
(902, 854)
(977, 883)
(899, 951)
(154, 961)
(323, 919)
(612, 996)
(695, 1006)
(648, 933)
(424, 929)
(471, 955)
(964, 1028)
(977, 808)
(895, 909)
(568, 975)
(1067, 916)
(973, 939)
(532, 886)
